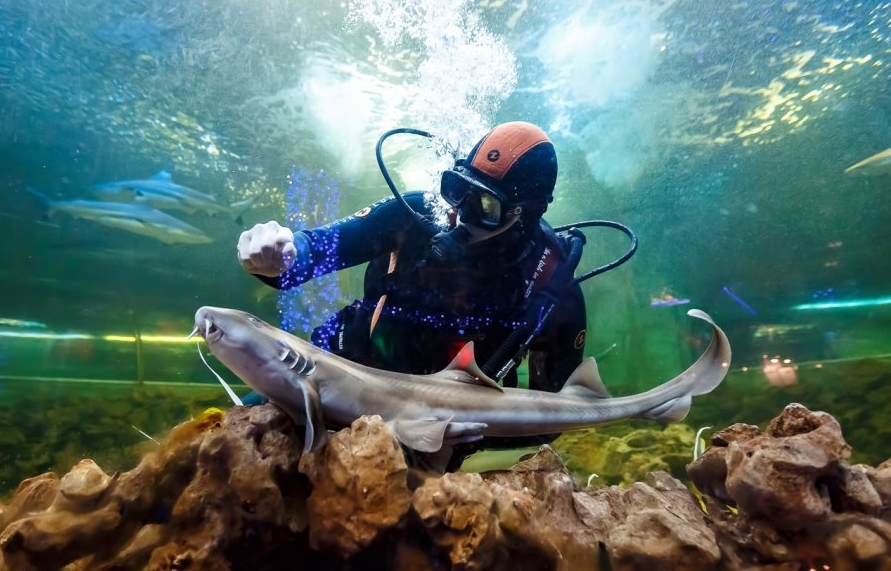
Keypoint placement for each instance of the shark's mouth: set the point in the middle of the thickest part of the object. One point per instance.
(211, 332)
(205, 327)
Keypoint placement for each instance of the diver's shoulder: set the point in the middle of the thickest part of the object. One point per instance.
(417, 199)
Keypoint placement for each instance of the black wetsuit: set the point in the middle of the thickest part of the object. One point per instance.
(424, 310)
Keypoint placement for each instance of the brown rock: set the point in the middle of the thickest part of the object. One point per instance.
(854, 491)
(360, 487)
(234, 499)
(82, 487)
(212, 492)
(856, 547)
(32, 495)
(139, 548)
(665, 529)
(738, 432)
(457, 511)
(781, 476)
(537, 508)
(50, 540)
(599, 508)
(881, 481)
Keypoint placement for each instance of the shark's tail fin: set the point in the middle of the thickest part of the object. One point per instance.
(43, 199)
(240, 207)
(713, 365)
(700, 378)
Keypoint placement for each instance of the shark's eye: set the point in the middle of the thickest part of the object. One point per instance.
(254, 320)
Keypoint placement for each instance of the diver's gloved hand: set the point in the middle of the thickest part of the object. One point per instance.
(270, 249)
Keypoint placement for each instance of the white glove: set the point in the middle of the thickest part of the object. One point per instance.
(267, 249)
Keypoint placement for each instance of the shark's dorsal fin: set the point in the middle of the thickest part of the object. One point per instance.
(464, 369)
(164, 176)
(586, 380)
(423, 435)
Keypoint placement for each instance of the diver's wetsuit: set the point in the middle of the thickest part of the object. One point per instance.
(433, 308)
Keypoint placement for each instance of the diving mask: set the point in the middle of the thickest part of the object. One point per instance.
(475, 202)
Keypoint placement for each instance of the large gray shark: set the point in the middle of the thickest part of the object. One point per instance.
(159, 191)
(458, 404)
(135, 218)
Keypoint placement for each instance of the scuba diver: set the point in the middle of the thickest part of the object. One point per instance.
(427, 296)
(496, 274)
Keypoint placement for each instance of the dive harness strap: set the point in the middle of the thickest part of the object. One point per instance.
(537, 312)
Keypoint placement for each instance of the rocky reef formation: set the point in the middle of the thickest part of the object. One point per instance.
(233, 491)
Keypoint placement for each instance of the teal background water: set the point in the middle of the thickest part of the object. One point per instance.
(719, 132)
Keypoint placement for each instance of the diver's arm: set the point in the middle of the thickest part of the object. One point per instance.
(347, 242)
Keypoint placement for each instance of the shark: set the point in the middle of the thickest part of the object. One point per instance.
(159, 191)
(429, 413)
(135, 218)
(877, 164)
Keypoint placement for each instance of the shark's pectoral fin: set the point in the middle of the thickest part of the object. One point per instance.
(585, 380)
(465, 369)
(671, 411)
(463, 432)
(423, 435)
(316, 434)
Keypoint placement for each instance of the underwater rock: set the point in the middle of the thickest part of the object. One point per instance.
(359, 487)
(664, 529)
(211, 488)
(458, 512)
(798, 500)
(82, 487)
(33, 495)
(233, 491)
(780, 476)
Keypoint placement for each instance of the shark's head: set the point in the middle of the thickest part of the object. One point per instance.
(262, 356)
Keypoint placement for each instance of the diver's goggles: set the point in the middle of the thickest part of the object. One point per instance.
(475, 202)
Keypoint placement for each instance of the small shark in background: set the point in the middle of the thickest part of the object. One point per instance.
(161, 192)
(429, 413)
(878, 164)
(135, 218)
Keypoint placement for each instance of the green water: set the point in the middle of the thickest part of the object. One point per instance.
(719, 133)
(51, 425)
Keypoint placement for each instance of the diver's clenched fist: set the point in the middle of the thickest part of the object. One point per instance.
(267, 249)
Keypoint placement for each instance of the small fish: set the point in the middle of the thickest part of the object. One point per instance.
(430, 413)
(700, 444)
(159, 191)
(134, 218)
(878, 164)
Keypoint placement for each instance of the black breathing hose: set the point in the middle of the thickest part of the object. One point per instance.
(615, 263)
(417, 216)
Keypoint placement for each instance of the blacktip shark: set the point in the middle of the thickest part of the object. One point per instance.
(878, 164)
(429, 412)
(135, 218)
(159, 191)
